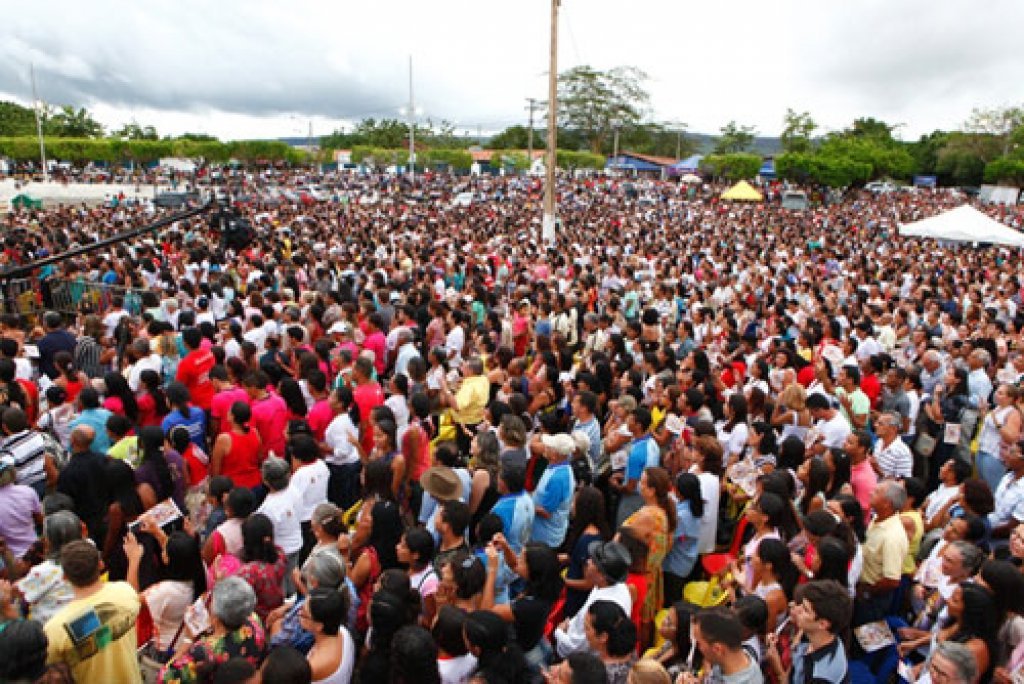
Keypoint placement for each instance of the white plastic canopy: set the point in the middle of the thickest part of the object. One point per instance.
(964, 224)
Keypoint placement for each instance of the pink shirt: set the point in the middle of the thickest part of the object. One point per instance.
(863, 480)
(221, 405)
(270, 418)
(377, 343)
(319, 417)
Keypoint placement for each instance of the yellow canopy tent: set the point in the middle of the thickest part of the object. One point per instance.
(742, 192)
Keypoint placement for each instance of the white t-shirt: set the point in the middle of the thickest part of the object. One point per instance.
(281, 507)
(834, 431)
(457, 670)
(710, 491)
(309, 486)
(336, 436)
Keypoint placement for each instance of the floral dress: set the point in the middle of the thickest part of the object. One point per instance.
(248, 641)
(656, 550)
(266, 579)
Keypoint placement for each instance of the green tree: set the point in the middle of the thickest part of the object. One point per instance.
(733, 167)
(1005, 169)
(16, 120)
(593, 102)
(871, 128)
(734, 138)
(516, 138)
(383, 133)
(197, 137)
(999, 122)
(133, 131)
(797, 131)
(69, 122)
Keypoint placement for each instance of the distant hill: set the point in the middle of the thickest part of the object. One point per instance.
(764, 146)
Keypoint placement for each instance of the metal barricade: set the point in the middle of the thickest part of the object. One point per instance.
(22, 296)
(70, 296)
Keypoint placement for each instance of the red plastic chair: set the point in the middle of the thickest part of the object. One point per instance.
(715, 563)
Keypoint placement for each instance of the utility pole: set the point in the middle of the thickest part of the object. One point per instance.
(36, 105)
(529, 136)
(412, 128)
(548, 223)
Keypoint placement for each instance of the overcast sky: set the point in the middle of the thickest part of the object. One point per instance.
(267, 69)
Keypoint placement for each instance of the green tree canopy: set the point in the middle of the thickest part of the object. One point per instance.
(69, 122)
(734, 138)
(797, 132)
(516, 138)
(593, 102)
(733, 167)
(16, 120)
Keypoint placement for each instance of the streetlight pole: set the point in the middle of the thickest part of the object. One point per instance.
(412, 128)
(548, 224)
(36, 104)
(529, 140)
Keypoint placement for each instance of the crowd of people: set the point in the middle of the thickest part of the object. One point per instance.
(404, 441)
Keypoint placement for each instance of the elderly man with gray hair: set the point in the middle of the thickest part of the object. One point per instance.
(891, 456)
(884, 549)
(932, 371)
(979, 385)
(952, 663)
(236, 632)
(280, 507)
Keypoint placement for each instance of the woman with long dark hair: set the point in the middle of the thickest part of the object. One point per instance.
(290, 390)
(341, 455)
(947, 405)
(160, 468)
(775, 577)
(832, 561)
(236, 452)
(588, 523)
(377, 534)
(538, 565)
(263, 563)
(151, 401)
(128, 500)
(497, 659)
(682, 556)
(815, 476)
(184, 579)
(653, 524)
(119, 397)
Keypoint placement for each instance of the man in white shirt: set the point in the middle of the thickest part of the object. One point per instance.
(607, 568)
(143, 359)
(308, 486)
(281, 507)
(831, 427)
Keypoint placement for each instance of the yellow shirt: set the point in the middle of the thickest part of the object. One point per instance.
(910, 559)
(127, 450)
(471, 400)
(884, 549)
(109, 653)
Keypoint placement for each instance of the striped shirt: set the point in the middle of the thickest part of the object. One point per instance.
(895, 460)
(28, 449)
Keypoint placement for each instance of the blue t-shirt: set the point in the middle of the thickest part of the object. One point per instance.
(554, 495)
(96, 419)
(683, 554)
(516, 512)
(195, 423)
(643, 453)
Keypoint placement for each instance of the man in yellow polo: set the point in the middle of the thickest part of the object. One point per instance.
(468, 402)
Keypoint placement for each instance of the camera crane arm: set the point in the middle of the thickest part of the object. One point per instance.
(27, 269)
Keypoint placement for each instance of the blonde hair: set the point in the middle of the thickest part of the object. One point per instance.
(794, 397)
(648, 671)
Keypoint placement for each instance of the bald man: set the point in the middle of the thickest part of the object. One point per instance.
(84, 480)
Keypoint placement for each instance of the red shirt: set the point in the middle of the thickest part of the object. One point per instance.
(872, 386)
(194, 373)
(367, 397)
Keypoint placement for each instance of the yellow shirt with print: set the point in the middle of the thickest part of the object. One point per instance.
(109, 654)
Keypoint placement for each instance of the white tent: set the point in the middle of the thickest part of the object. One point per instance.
(964, 224)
